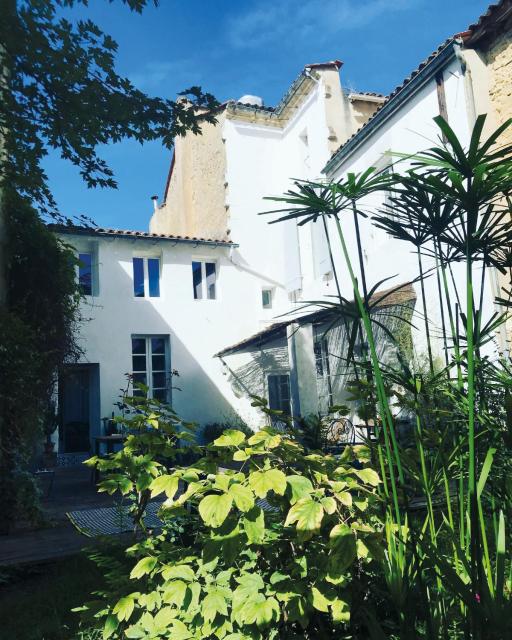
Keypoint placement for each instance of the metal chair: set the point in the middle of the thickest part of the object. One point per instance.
(339, 434)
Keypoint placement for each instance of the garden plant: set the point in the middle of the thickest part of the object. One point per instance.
(406, 536)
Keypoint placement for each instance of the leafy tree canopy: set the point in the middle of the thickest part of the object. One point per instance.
(59, 90)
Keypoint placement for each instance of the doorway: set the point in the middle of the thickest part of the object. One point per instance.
(78, 401)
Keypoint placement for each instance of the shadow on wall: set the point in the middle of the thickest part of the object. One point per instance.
(248, 377)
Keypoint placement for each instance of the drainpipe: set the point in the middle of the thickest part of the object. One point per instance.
(468, 82)
(291, 330)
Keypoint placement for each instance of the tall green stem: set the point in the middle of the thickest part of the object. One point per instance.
(472, 496)
(387, 421)
(441, 303)
(425, 313)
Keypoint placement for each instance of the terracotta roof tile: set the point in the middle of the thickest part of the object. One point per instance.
(395, 92)
(125, 233)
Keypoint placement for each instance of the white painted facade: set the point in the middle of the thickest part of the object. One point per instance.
(262, 160)
(409, 130)
(195, 329)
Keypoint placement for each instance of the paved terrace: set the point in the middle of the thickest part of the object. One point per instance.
(72, 491)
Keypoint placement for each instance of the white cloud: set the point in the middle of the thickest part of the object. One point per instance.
(274, 20)
(156, 76)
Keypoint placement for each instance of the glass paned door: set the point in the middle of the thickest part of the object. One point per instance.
(74, 400)
(150, 366)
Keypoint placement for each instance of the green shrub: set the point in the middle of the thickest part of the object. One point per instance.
(267, 551)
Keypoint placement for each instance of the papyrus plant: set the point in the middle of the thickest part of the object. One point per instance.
(453, 206)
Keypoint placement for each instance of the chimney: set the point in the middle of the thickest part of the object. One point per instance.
(155, 202)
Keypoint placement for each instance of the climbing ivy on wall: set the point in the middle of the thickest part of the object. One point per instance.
(38, 336)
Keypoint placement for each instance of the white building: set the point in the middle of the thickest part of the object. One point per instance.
(452, 82)
(210, 272)
(216, 189)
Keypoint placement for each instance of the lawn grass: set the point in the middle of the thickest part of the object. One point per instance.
(36, 601)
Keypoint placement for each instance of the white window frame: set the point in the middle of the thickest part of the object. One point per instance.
(322, 359)
(385, 165)
(204, 291)
(271, 291)
(149, 363)
(145, 270)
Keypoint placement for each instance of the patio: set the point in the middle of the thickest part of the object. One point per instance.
(72, 490)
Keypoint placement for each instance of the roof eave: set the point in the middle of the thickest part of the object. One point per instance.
(134, 236)
(390, 107)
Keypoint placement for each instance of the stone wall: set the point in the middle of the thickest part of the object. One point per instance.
(498, 54)
(194, 204)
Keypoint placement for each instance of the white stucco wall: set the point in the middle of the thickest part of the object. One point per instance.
(262, 161)
(197, 329)
(409, 130)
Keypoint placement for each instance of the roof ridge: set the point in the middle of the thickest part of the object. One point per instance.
(396, 91)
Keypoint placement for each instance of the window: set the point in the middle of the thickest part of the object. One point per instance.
(204, 278)
(85, 273)
(266, 298)
(323, 374)
(146, 277)
(279, 393)
(150, 365)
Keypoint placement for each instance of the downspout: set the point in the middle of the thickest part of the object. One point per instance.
(468, 82)
(291, 330)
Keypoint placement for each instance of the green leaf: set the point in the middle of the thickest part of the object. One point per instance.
(214, 509)
(340, 611)
(179, 631)
(136, 631)
(277, 577)
(150, 601)
(143, 481)
(260, 610)
(248, 587)
(320, 602)
(222, 481)
(124, 608)
(179, 571)
(213, 604)
(168, 484)
(369, 476)
(254, 525)
(143, 566)
(329, 505)
(344, 551)
(308, 515)
(240, 455)
(298, 610)
(111, 624)
(486, 467)
(243, 496)
(230, 438)
(174, 592)
(264, 481)
(300, 487)
(165, 617)
(345, 498)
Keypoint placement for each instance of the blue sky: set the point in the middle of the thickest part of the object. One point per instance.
(234, 47)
